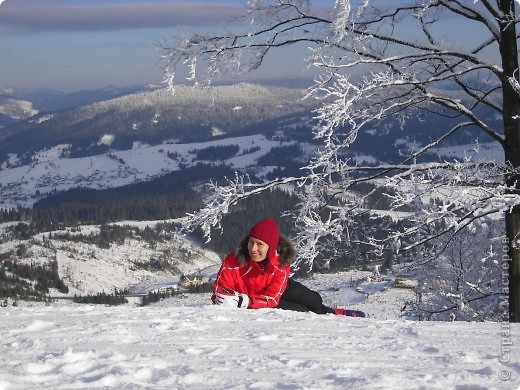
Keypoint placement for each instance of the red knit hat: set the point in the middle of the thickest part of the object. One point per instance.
(266, 231)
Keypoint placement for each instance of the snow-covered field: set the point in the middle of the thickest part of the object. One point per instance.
(23, 185)
(187, 343)
(49, 172)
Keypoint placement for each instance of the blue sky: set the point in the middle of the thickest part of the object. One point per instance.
(85, 44)
(71, 45)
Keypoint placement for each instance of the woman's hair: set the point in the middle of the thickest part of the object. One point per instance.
(285, 249)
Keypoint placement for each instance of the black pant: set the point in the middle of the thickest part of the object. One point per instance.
(297, 297)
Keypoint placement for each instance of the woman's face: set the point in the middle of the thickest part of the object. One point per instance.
(257, 249)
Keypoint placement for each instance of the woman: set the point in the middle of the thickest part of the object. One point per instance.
(257, 274)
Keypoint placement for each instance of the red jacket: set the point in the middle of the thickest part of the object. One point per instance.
(264, 287)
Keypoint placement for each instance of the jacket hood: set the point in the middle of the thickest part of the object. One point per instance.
(285, 249)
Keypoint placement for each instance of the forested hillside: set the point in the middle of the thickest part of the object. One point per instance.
(169, 196)
(188, 115)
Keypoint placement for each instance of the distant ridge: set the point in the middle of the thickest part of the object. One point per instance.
(188, 115)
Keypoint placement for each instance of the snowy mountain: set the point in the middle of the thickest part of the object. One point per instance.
(143, 135)
(89, 268)
(43, 99)
(188, 115)
(50, 171)
(12, 110)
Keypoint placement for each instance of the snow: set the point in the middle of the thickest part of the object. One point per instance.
(481, 152)
(185, 342)
(17, 109)
(89, 269)
(107, 139)
(23, 185)
(484, 152)
(215, 132)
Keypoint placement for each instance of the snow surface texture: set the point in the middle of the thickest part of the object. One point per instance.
(187, 343)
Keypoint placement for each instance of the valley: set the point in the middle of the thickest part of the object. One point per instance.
(89, 202)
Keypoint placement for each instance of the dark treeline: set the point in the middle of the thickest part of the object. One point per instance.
(286, 159)
(281, 156)
(156, 296)
(169, 196)
(28, 281)
(109, 234)
(102, 298)
(236, 224)
(12, 214)
(201, 288)
(217, 153)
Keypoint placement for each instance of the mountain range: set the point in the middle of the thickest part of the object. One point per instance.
(156, 140)
(155, 117)
(113, 137)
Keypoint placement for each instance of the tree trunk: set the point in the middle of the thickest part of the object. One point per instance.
(511, 265)
(511, 116)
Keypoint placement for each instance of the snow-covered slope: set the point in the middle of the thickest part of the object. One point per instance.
(89, 269)
(184, 342)
(23, 185)
(188, 115)
(187, 343)
(16, 108)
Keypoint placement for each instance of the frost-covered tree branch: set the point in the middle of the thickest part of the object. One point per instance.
(464, 281)
(375, 75)
(220, 199)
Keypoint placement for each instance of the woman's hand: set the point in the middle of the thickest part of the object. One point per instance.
(237, 300)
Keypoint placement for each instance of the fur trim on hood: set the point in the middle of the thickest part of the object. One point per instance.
(285, 249)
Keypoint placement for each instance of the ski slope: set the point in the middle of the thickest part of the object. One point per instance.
(184, 342)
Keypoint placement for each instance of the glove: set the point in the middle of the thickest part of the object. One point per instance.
(237, 300)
